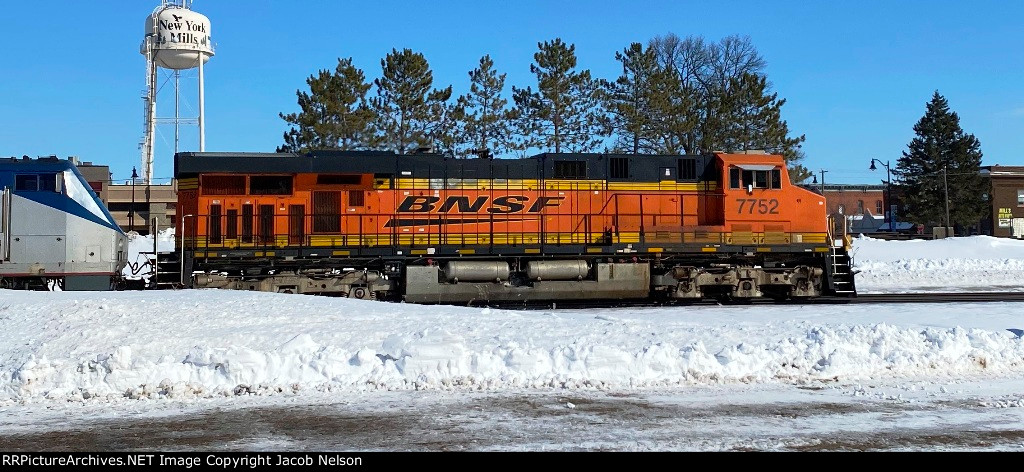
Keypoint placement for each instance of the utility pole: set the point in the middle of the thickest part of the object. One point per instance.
(945, 184)
(886, 212)
(131, 212)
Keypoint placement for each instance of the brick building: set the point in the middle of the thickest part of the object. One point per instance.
(1007, 200)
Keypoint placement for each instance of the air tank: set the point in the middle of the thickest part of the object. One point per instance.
(179, 37)
(557, 270)
(476, 271)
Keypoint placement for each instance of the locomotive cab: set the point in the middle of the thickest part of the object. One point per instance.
(760, 199)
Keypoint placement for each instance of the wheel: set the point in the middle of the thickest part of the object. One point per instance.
(361, 293)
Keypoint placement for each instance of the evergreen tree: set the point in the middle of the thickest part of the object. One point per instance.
(334, 113)
(722, 101)
(410, 112)
(671, 112)
(485, 121)
(753, 120)
(564, 114)
(631, 101)
(940, 144)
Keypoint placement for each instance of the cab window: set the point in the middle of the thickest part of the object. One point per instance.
(36, 183)
(765, 179)
(26, 183)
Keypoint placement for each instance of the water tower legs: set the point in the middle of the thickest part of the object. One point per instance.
(202, 105)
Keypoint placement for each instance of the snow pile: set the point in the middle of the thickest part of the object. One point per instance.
(974, 263)
(139, 265)
(188, 344)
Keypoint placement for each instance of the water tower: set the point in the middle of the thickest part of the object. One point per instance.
(177, 39)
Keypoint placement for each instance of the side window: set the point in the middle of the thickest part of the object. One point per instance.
(48, 183)
(734, 178)
(860, 207)
(26, 183)
(36, 183)
(760, 179)
(1020, 198)
(878, 207)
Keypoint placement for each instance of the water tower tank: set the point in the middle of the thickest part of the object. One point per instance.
(178, 36)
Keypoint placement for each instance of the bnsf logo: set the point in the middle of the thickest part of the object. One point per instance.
(462, 204)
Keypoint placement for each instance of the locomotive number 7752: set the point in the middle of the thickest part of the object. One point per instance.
(763, 206)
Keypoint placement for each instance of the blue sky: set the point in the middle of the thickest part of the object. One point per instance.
(856, 75)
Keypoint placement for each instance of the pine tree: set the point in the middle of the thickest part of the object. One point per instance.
(753, 120)
(630, 101)
(484, 119)
(334, 113)
(722, 101)
(671, 112)
(410, 112)
(564, 114)
(941, 149)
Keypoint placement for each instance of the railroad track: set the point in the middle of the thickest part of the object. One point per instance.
(869, 298)
(943, 297)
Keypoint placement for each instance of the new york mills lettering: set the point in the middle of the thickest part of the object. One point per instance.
(188, 32)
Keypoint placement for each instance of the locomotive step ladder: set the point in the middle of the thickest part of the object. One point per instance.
(165, 270)
(842, 274)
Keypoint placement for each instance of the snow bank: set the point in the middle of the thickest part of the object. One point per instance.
(189, 344)
(974, 263)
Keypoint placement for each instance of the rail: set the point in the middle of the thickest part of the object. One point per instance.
(866, 299)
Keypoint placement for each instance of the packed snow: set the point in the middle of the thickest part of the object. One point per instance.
(975, 263)
(128, 349)
(197, 343)
(185, 344)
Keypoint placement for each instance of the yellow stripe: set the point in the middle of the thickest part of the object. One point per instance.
(594, 249)
(821, 249)
(709, 249)
(531, 250)
(764, 249)
(655, 249)
(466, 251)
(340, 253)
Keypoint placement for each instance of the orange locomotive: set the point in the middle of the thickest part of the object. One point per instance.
(429, 229)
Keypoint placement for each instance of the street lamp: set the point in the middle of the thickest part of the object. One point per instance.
(814, 180)
(131, 211)
(887, 211)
